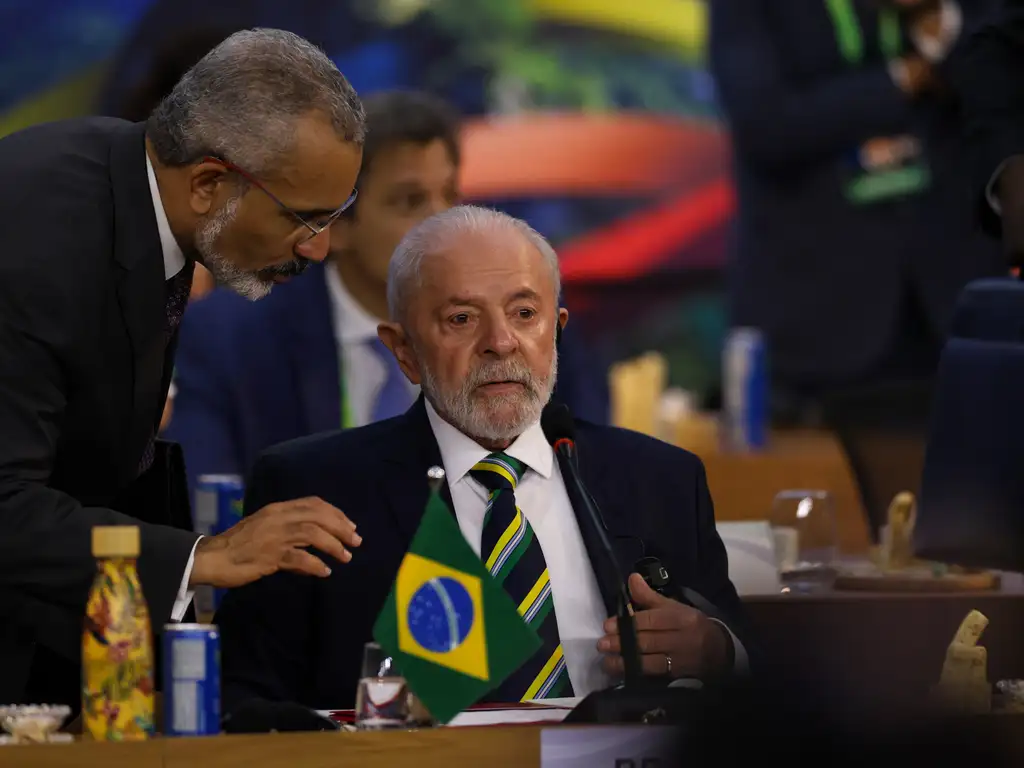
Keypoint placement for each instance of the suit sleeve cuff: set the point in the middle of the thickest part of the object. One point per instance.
(935, 48)
(990, 189)
(741, 661)
(185, 595)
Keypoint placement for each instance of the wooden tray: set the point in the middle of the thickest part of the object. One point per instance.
(895, 581)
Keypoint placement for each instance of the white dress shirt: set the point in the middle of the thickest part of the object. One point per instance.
(365, 373)
(174, 262)
(541, 495)
(990, 188)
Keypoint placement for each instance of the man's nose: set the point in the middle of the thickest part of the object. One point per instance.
(316, 248)
(499, 338)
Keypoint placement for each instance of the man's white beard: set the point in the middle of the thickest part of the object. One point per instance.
(463, 410)
(246, 284)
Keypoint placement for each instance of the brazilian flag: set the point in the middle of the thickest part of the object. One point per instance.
(452, 630)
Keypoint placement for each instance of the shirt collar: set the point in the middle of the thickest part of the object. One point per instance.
(354, 324)
(459, 452)
(174, 259)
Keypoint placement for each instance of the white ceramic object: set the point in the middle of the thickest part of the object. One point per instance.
(33, 723)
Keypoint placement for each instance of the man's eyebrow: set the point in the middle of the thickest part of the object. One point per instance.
(458, 300)
(464, 300)
(524, 293)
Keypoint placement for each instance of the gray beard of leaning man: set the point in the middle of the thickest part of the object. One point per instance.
(251, 285)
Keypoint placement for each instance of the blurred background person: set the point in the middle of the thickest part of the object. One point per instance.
(853, 238)
(992, 89)
(250, 375)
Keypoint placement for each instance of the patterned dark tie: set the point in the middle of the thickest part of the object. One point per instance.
(513, 556)
(176, 290)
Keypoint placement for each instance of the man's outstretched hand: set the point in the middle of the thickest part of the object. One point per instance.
(274, 539)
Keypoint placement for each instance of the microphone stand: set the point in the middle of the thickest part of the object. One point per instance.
(612, 584)
(638, 699)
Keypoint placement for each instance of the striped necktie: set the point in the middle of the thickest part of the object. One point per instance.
(513, 556)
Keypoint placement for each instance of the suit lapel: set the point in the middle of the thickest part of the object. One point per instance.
(604, 484)
(405, 481)
(313, 350)
(140, 286)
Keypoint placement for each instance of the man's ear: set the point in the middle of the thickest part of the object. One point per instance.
(563, 318)
(395, 338)
(205, 180)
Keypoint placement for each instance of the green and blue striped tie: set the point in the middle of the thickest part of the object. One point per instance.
(513, 556)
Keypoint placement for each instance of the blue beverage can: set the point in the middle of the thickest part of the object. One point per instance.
(219, 501)
(191, 680)
(745, 390)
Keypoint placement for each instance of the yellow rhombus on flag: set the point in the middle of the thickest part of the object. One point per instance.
(452, 630)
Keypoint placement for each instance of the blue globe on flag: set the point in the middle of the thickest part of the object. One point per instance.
(440, 614)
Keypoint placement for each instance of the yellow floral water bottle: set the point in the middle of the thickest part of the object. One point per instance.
(117, 645)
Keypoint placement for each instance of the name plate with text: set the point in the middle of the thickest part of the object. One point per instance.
(617, 746)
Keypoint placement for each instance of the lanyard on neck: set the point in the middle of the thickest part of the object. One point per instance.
(851, 38)
(347, 420)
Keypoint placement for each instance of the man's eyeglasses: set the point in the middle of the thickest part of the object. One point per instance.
(315, 227)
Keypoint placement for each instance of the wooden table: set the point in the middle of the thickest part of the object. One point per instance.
(493, 747)
(743, 484)
(858, 651)
(863, 649)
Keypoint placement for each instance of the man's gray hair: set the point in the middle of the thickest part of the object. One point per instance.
(241, 100)
(435, 234)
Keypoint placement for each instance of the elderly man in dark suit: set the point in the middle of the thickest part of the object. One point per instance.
(473, 301)
(241, 168)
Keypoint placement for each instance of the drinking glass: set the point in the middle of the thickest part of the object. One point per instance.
(382, 699)
(804, 533)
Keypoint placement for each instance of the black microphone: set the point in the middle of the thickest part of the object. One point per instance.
(658, 579)
(262, 716)
(560, 431)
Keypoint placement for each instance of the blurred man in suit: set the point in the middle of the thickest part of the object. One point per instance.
(308, 359)
(853, 238)
(473, 302)
(992, 89)
(242, 168)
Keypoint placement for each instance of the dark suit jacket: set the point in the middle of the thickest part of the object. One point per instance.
(253, 374)
(300, 639)
(827, 280)
(83, 377)
(989, 83)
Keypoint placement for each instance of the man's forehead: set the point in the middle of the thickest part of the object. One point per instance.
(319, 164)
(403, 160)
(479, 257)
